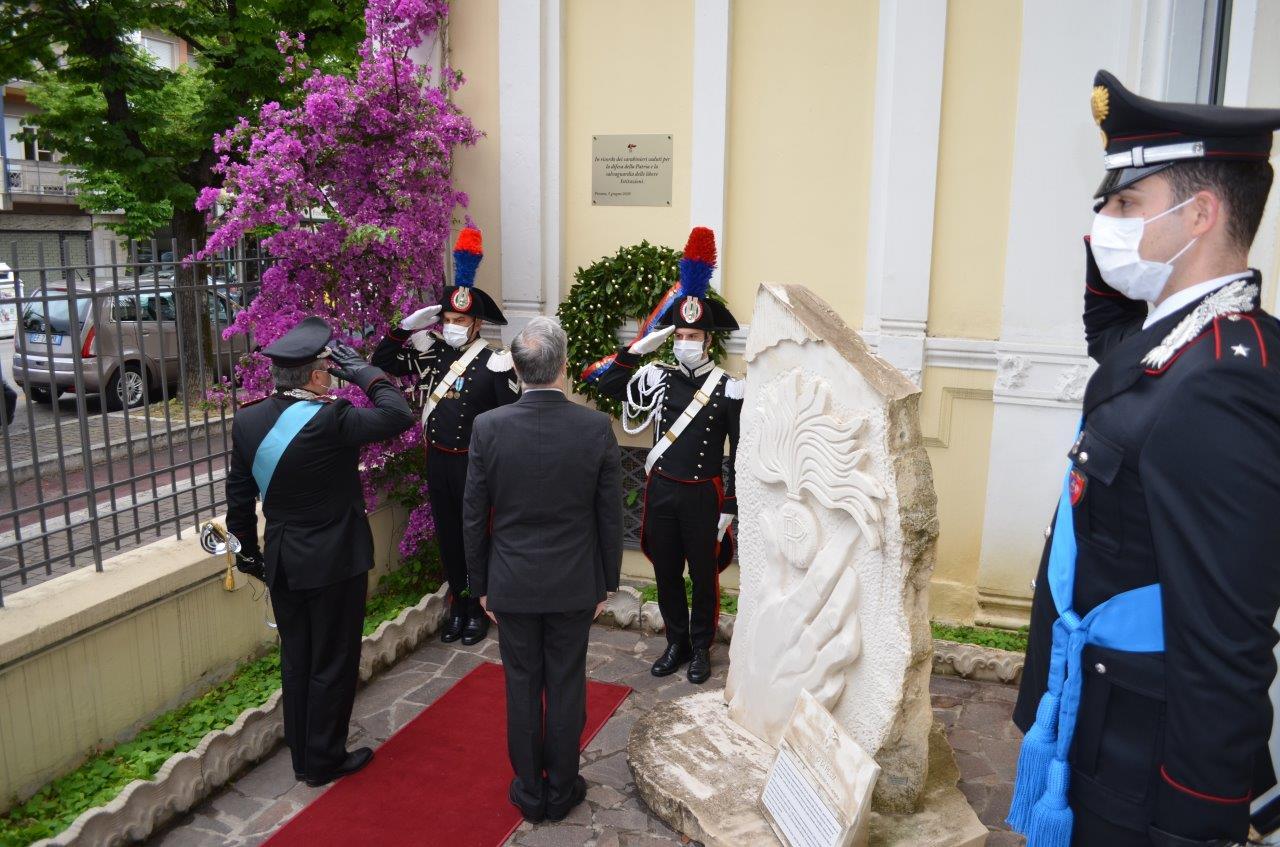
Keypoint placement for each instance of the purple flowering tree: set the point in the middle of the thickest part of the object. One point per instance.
(351, 196)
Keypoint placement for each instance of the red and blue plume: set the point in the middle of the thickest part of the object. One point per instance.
(467, 253)
(698, 263)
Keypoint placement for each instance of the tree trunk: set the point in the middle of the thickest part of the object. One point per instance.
(195, 349)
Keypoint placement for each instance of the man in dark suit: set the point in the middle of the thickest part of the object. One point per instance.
(542, 522)
(298, 451)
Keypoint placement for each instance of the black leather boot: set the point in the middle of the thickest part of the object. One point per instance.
(700, 665)
(457, 620)
(477, 625)
(672, 658)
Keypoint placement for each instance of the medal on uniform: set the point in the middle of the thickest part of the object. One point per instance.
(1077, 487)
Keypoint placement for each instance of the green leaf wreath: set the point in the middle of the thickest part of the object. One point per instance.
(607, 293)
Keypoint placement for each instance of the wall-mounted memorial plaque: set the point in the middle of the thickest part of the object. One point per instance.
(631, 170)
(818, 793)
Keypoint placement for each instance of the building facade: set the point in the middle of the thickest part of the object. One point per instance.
(41, 222)
(925, 166)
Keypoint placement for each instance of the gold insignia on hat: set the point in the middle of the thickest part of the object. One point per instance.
(1100, 102)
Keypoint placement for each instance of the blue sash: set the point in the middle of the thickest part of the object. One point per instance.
(1132, 621)
(290, 422)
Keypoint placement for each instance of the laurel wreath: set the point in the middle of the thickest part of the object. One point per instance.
(608, 293)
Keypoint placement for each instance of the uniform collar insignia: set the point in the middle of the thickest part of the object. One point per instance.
(701, 370)
(1238, 296)
(302, 394)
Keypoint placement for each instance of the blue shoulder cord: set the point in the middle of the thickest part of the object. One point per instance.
(1133, 622)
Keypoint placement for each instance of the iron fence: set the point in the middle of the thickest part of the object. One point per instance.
(116, 443)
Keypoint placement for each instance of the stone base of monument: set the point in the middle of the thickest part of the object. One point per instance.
(703, 775)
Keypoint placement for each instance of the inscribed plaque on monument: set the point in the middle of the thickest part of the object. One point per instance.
(631, 170)
(818, 793)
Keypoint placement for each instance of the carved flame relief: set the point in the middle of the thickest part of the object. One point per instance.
(807, 634)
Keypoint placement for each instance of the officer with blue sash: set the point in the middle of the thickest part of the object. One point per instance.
(297, 451)
(1147, 693)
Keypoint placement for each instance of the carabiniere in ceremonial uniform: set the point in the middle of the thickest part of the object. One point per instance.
(689, 503)
(459, 377)
(298, 451)
(1149, 686)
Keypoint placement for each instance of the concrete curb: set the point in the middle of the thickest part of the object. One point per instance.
(187, 778)
(626, 610)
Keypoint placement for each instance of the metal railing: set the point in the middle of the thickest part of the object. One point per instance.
(48, 179)
(115, 445)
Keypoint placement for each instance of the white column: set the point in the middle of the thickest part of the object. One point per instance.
(710, 115)
(529, 158)
(908, 112)
(1041, 363)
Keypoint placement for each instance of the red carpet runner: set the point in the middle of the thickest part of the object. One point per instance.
(441, 780)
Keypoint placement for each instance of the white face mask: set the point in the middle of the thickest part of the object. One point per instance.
(689, 353)
(455, 336)
(1114, 242)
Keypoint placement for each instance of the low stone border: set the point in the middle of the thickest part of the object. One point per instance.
(626, 610)
(973, 661)
(187, 778)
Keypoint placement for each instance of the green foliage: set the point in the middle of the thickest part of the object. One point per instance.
(1001, 639)
(416, 577)
(104, 774)
(728, 602)
(626, 285)
(142, 133)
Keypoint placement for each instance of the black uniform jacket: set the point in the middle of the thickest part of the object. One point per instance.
(1180, 469)
(488, 382)
(698, 454)
(316, 525)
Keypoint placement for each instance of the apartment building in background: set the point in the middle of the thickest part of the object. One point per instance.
(41, 220)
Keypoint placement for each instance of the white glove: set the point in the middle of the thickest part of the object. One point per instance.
(652, 341)
(725, 522)
(422, 318)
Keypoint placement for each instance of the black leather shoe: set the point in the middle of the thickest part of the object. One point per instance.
(672, 658)
(531, 815)
(355, 760)
(700, 665)
(475, 630)
(453, 628)
(579, 793)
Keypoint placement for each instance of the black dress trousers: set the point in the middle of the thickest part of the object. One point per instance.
(680, 524)
(544, 660)
(320, 630)
(446, 484)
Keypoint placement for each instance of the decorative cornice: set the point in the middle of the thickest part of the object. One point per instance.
(971, 661)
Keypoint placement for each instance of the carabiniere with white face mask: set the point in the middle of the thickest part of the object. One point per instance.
(459, 377)
(1148, 692)
(694, 408)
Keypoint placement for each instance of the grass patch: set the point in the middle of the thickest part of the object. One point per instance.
(1014, 640)
(728, 602)
(105, 774)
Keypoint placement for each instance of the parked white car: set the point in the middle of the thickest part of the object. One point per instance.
(10, 288)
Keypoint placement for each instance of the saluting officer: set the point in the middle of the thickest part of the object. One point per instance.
(1151, 661)
(298, 451)
(689, 503)
(459, 377)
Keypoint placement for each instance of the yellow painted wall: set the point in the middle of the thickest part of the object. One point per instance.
(975, 167)
(801, 109)
(626, 69)
(473, 45)
(955, 418)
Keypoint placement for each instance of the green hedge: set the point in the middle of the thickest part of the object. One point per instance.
(106, 773)
(1014, 640)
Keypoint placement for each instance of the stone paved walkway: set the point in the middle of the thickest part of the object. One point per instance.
(248, 811)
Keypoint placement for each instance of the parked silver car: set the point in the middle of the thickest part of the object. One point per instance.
(128, 341)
